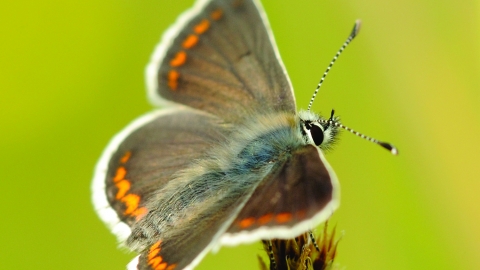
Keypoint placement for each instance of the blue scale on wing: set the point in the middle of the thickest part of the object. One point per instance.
(260, 152)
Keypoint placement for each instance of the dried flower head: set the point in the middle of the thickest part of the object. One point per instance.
(304, 252)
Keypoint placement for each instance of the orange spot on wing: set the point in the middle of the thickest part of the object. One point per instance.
(201, 27)
(171, 267)
(161, 266)
(120, 175)
(173, 77)
(123, 187)
(156, 245)
(190, 41)
(179, 59)
(139, 213)
(216, 14)
(247, 222)
(265, 219)
(153, 253)
(154, 261)
(126, 157)
(283, 217)
(131, 202)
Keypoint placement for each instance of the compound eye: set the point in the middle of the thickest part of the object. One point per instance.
(317, 134)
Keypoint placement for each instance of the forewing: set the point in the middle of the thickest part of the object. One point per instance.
(296, 196)
(143, 157)
(221, 57)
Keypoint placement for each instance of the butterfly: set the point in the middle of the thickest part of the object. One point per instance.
(229, 159)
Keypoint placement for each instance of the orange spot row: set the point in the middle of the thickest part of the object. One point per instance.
(139, 213)
(126, 157)
(245, 223)
(173, 77)
(131, 201)
(123, 187)
(279, 218)
(120, 175)
(189, 42)
(155, 260)
(265, 219)
(179, 59)
(283, 217)
(201, 27)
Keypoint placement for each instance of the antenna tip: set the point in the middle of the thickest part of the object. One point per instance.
(356, 28)
(389, 147)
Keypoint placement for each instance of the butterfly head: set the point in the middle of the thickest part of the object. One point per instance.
(323, 132)
(317, 130)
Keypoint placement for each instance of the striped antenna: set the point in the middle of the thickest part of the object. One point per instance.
(385, 145)
(356, 29)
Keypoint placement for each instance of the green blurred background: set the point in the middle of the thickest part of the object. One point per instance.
(71, 76)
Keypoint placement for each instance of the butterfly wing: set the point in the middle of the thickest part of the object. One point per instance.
(292, 197)
(221, 57)
(181, 239)
(142, 158)
(296, 196)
